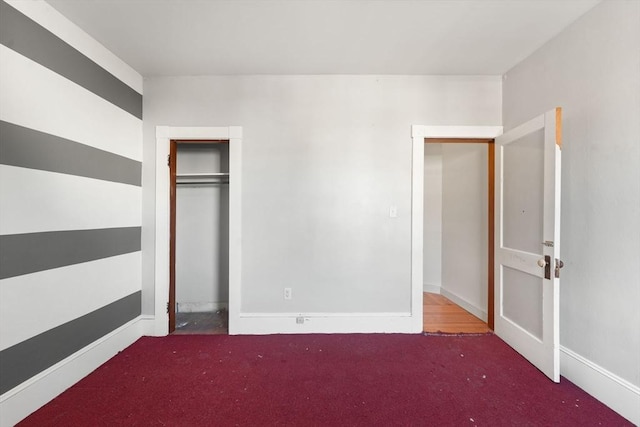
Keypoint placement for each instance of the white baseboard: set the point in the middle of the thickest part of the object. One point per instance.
(200, 307)
(22, 400)
(478, 312)
(320, 323)
(433, 289)
(147, 325)
(615, 392)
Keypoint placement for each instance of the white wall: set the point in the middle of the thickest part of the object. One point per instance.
(202, 231)
(432, 231)
(464, 226)
(592, 70)
(324, 158)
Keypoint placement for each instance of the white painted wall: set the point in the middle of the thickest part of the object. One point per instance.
(202, 231)
(432, 231)
(464, 226)
(324, 157)
(592, 70)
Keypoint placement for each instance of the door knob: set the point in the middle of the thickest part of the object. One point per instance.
(542, 262)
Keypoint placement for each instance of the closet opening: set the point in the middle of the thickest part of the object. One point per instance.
(199, 237)
(458, 239)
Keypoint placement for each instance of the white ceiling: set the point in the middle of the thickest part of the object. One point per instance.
(202, 37)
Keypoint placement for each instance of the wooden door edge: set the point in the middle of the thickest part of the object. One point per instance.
(491, 176)
(171, 304)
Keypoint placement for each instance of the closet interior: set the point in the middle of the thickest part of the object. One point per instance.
(201, 238)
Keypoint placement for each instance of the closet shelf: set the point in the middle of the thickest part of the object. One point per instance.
(202, 178)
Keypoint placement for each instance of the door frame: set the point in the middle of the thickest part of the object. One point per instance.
(420, 134)
(164, 136)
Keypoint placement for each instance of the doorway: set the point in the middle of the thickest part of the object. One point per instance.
(199, 237)
(163, 231)
(458, 234)
(422, 137)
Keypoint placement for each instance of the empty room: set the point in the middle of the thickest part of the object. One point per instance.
(320, 212)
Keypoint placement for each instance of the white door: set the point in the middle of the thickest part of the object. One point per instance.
(527, 240)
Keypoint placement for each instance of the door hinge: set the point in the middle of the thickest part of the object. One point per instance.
(168, 159)
(167, 307)
(559, 265)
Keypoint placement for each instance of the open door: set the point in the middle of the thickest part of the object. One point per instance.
(527, 240)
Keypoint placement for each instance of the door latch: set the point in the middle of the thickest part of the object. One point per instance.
(546, 264)
(547, 267)
(559, 265)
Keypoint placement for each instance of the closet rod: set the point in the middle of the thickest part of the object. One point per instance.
(203, 175)
(204, 183)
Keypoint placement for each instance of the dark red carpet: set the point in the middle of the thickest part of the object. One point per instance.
(322, 380)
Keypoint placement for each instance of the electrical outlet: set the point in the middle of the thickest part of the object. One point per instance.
(287, 293)
(300, 320)
(393, 211)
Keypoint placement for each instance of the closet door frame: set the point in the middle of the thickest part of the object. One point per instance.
(156, 288)
(173, 171)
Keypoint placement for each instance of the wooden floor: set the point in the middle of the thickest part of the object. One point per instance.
(442, 315)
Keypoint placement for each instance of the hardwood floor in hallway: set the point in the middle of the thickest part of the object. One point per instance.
(442, 315)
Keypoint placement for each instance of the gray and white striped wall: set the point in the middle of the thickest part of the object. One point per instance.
(70, 205)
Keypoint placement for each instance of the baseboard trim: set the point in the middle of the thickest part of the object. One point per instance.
(615, 392)
(22, 400)
(147, 325)
(319, 314)
(321, 323)
(433, 289)
(479, 313)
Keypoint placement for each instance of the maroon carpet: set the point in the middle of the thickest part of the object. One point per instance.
(333, 380)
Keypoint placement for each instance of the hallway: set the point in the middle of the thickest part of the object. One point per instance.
(441, 315)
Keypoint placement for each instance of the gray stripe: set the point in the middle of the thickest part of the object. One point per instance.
(28, 148)
(31, 252)
(30, 39)
(28, 358)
